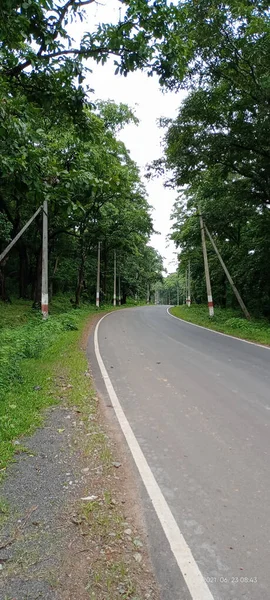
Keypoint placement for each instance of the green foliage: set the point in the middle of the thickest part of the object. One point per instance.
(38, 368)
(58, 146)
(29, 341)
(217, 150)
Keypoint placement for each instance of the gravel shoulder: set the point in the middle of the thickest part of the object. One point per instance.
(70, 521)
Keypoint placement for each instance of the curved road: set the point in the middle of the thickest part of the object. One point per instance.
(199, 406)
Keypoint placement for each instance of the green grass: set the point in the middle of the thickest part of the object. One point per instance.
(32, 381)
(226, 321)
(32, 352)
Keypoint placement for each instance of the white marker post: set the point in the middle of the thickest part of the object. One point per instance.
(44, 282)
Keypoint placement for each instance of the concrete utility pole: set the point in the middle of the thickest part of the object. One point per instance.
(177, 292)
(44, 281)
(119, 290)
(148, 294)
(17, 237)
(188, 287)
(206, 269)
(114, 280)
(230, 279)
(98, 276)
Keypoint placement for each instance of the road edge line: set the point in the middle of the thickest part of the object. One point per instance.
(191, 573)
(233, 337)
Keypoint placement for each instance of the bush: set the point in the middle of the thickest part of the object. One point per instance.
(28, 341)
(237, 323)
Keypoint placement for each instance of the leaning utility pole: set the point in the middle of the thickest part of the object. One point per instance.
(98, 276)
(206, 269)
(44, 281)
(114, 280)
(230, 279)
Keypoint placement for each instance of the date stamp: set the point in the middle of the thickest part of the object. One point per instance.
(231, 580)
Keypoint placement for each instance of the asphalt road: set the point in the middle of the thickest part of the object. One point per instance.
(199, 406)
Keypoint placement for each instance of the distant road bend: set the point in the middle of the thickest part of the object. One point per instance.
(195, 408)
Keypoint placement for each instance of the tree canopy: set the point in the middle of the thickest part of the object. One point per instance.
(56, 143)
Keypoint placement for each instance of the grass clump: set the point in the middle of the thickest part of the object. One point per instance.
(226, 321)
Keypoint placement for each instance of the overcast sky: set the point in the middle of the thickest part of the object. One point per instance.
(144, 141)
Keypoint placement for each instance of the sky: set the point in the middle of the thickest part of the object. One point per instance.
(143, 94)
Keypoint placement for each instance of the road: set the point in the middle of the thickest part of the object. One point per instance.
(199, 406)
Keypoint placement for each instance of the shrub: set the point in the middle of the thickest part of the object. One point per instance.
(28, 341)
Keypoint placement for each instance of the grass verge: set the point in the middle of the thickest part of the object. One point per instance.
(226, 321)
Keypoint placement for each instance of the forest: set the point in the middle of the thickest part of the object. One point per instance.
(57, 143)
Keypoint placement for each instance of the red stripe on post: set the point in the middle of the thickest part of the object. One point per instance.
(210, 304)
(45, 309)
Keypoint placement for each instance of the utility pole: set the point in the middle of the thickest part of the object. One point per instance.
(148, 294)
(206, 269)
(98, 276)
(230, 279)
(177, 293)
(114, 280)
(188, 286)
(44, 280)
(119, 290)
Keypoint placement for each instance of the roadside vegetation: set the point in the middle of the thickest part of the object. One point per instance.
(225, 320)
(29, 357)
(31, 352)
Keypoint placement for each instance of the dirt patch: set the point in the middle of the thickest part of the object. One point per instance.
(71, 529)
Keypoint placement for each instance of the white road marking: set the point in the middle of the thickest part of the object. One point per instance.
(192, 575)
(218, 332)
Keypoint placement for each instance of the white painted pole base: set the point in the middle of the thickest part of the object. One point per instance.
(114, 300)
(97, 300)
(210, 306)
(45, 306)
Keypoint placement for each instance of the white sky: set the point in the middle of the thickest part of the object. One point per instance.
(142, 93)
